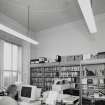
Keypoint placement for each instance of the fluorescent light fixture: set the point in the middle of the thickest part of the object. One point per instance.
(17, 34)
(87, 12)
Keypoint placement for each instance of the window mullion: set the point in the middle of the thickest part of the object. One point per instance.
(11, 62)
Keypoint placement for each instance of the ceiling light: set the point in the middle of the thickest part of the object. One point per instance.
(17, 34)
(86, 9)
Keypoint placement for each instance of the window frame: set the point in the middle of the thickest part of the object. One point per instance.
(18, 71)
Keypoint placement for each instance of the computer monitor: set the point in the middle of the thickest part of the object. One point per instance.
(29, 93)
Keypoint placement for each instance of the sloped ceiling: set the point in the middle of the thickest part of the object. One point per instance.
(45, 14)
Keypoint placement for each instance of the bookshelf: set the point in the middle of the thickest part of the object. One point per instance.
(92, 80)
(72, 73)
(43, 75)
(86, 76)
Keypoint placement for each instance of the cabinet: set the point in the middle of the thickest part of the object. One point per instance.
(92, 80)
(43, 75)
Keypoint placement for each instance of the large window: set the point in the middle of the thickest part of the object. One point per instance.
(11, 70)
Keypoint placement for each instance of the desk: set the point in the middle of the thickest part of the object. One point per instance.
(94, 97)
(93, 100)
(69, 99)
(29, 103)
(1, 97)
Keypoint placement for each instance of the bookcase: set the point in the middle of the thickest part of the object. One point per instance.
(71, 71)
(86, 76)
(92, 80)
(43, 75)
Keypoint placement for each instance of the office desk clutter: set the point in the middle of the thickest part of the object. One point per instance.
(3, 92)
(57, 94)
(54, 97)
(29, 103)
(25, 95)
(61, 84)
(31, 95)
(50, 97)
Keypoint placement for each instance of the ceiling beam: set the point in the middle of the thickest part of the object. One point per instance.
(87, 12)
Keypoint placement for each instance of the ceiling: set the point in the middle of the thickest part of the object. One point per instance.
(45, 14)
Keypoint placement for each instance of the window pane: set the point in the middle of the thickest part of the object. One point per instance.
(7, 56)
(14, 57)
(9, 78)
(11, 64)
(14, 77)
(6, 78)
(0, 78)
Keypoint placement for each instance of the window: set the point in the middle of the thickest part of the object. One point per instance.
(11, 71)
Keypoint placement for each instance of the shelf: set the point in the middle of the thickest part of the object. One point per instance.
(52, 71)
(56, 64)
(92, 62)
(98, 77)
(37, 77)
(71, 77)
(91, 85)
(74, 89)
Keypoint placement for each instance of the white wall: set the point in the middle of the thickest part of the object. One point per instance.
(69, 39)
